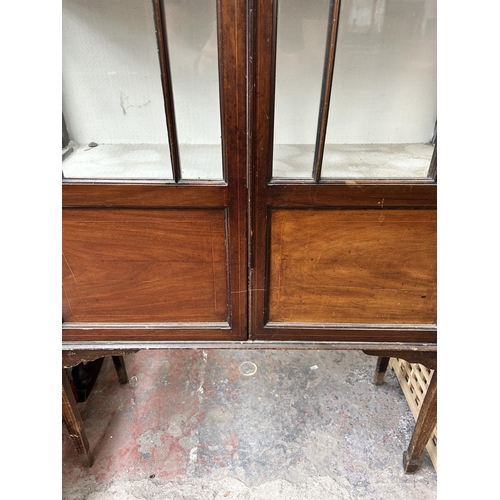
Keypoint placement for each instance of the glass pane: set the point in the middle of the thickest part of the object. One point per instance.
(113, 102)
(300, 55)
(383, 106)
(192, 41)
(112, 94)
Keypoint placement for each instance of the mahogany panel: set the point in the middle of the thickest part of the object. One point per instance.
(310, 332)
(151, 332)
(189, 195)
(358, 193)
(353, 266)
(144, 265)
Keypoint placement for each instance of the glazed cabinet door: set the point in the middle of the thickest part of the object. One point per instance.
(256, 169)
(154, 170)
(343, 164)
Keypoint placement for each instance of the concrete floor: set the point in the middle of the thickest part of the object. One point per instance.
(246, 424)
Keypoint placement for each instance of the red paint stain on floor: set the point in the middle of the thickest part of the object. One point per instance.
(130, 427)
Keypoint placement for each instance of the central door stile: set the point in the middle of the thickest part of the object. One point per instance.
(233, 17)
(262, 66)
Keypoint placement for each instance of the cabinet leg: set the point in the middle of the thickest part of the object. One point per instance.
(424, 426)
(382, 364)
(84, 377)
(73, 421)
(120, 368)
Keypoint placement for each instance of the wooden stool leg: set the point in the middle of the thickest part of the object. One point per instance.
(382, 364)
(73, 421)
(424, 426)
(120, 368)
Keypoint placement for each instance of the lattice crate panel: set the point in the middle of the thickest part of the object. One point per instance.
(414, 380)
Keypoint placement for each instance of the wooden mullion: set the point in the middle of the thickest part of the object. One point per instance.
(433, 166)
(326, 87)
(166, 80)
(222, 94)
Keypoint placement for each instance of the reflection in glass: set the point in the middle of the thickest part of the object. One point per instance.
(383, 104)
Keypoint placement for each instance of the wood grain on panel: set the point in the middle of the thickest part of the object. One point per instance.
(144, 265)
(144, 196)
(353, 266)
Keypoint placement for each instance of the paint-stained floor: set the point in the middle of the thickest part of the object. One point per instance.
(246, 424)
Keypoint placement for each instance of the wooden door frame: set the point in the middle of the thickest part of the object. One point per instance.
(229, 195)
(268, 195)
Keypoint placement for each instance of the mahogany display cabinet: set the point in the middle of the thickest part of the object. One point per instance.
(250, 174)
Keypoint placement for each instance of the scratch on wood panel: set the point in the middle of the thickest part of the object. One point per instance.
(67, 300)
(213, 266)
(372, 272)
(265, 111)
(69, 267)
(363, 287)
(280, 264)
